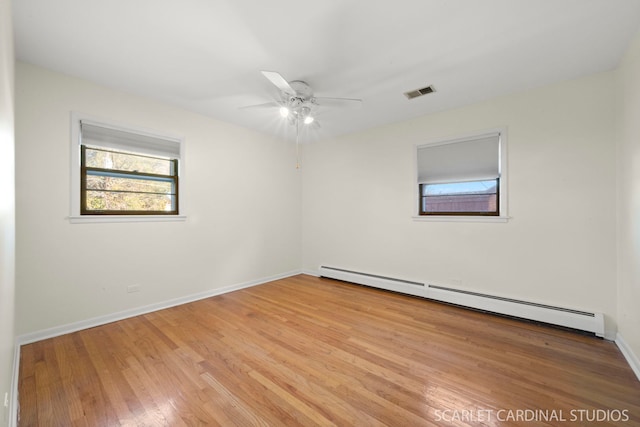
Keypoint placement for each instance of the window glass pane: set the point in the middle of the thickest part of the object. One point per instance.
(117, 201)
(472, 196)
(131, 185)
(459, 188)
(96, 158)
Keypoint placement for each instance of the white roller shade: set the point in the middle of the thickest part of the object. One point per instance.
(466, 160)
(115, 139)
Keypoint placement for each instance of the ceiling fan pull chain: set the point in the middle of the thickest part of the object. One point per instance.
(297, 144)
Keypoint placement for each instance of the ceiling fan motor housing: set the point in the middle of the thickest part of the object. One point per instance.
(301, 103)
(303, 90)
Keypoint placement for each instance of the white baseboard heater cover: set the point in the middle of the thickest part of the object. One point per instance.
(575, 319)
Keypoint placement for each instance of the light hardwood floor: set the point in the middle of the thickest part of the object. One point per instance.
(310, 351)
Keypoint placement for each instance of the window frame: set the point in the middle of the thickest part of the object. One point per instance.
(501, 191)
(85, 172)
(79, 215)
(461, 213)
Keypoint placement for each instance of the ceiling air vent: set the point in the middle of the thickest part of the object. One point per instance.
(419, 92)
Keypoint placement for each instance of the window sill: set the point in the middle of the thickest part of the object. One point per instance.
(461, 218)
(90, 219)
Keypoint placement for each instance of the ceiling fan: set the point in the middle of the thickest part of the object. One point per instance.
(297, 102)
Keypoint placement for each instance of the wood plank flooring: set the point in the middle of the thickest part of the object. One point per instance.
(309, 351)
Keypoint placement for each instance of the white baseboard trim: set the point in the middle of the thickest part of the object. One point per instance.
(314, 273)
(628, 354)
(114, 317)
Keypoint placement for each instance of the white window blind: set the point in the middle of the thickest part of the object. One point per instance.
(473, 159)
(115, 139)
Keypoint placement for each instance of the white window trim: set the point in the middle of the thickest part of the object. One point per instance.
(503, 217)
(461, 218)
(74, 216)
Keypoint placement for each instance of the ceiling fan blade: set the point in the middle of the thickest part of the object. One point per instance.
(272, 104)
(339, 102)
(279, 82)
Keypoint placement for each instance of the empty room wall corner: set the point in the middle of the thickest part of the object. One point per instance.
(628, 208)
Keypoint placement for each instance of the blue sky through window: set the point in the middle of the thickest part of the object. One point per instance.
(460, 188)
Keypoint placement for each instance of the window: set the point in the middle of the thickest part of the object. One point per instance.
(115, 182)
(460, 198)
(123, 172)
(462, 177)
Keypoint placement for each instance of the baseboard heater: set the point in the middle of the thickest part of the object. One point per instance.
(574, 319)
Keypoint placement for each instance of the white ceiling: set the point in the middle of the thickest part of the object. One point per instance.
(206, 55)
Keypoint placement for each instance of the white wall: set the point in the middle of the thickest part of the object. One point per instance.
(559, 247)
(242, 195)
(7, 206)
(629, 199)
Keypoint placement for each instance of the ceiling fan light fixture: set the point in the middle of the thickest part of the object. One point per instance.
(308, 120)
(284, 112)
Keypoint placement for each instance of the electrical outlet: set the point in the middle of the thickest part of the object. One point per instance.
(133, 288)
